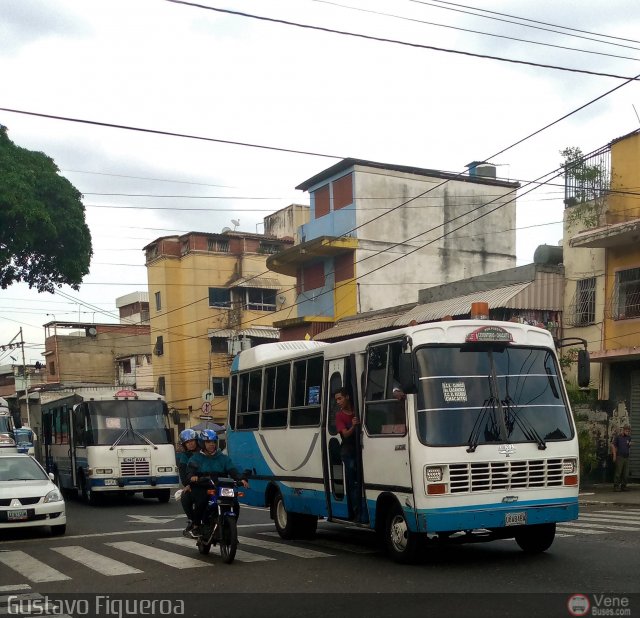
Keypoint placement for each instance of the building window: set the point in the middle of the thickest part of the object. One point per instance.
(258, 299)
(321, 201)
(184, 247)
(343, 192)
(126, 366)
(220, 386)
(220, 297)
(219, 345)
(344, 267)
(219, 245)
(313, 277)
(162, 390)
(52, 368)
(269, 248)
(585, 301)
(627, 294)
(158, 301)
(159, 348)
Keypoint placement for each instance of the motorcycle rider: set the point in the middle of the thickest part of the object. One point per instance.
(204, 466)
(189, 442)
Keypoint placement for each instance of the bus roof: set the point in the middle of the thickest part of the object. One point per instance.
(273, 352)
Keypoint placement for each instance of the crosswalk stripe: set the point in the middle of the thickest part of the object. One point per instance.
(574, 531)
(15, 587)
(330, 544)
(585, 524)
(292, 550)
(97, 562)
(160, 555)
(31, 568)
(612, 518)
(241, 556)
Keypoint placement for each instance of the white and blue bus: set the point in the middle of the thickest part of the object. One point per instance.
(483, 445)
(103, 441)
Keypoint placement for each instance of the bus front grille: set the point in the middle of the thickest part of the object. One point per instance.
(135, 468)
(492, 475)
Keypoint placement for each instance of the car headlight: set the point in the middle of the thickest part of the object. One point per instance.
(53, 496)
(227, 492)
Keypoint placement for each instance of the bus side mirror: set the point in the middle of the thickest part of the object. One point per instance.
(584, 368)
(406, 374)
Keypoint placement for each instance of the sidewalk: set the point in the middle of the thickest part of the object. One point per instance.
(602, 493)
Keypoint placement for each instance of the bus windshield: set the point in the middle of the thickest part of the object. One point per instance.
(127, 422)
(469, 396)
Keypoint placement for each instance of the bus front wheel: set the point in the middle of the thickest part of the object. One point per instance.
(536, 539)
(284, 521)
(402, 544)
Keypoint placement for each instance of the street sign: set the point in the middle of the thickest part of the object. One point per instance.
(206, 407)
(207, 395)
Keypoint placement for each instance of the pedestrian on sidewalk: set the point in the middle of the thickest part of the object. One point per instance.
(620, 448)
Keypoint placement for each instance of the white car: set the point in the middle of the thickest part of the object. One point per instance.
(28, 497)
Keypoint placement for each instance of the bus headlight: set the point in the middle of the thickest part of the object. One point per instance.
(165, 468)
(433, 474)
(103, 471)
(569, 466)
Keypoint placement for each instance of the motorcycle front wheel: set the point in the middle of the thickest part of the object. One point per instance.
(203, 547)
(228, 539)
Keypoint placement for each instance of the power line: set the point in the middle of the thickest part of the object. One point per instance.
(396, 41)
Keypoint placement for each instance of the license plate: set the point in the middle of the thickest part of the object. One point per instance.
(17, 515)
(515, 519)
(110, 482)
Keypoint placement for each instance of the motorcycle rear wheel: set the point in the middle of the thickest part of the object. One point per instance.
(228, 540)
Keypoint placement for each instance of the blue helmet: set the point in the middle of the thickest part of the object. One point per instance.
(207, 435)
(188, 434)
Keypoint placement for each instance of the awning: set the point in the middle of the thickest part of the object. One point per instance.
(461, 305)
(265, 283)
(263, 332)
(362, 324)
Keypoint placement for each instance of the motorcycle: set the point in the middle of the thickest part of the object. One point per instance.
(220, 521)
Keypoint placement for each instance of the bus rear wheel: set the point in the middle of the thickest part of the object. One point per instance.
(402, 544)
(536, 539)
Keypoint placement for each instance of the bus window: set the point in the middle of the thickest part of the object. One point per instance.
(307, 383)
(233, 400)
(249, 411)
(384, 414)
(335, 383)
(79, 432)
(276, 396)
(47, 422)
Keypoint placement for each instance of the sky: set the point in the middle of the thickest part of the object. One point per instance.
(269, 104)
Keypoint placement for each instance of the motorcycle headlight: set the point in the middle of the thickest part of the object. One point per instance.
(227, 492)
(53, 496)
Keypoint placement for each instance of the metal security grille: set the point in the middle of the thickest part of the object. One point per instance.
(582, 310)
(625, 300)
(134, 468)
(486, 476)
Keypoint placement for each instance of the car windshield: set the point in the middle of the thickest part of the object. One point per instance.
(128, 422)
(479, 396)
(20, 469)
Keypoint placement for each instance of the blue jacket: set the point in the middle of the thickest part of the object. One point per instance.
(211, 466)
(182, 460)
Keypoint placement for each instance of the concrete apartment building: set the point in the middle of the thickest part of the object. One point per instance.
(379, 233)
(212, 295)
(612, 217)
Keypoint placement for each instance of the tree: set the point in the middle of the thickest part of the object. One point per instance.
(44, 239)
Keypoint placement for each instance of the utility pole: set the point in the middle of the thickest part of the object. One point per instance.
(24, 377)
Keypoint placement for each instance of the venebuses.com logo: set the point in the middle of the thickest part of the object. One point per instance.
(599, 605)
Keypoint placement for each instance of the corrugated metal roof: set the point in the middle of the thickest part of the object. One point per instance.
(265, 332)
(358, 325)
(428, 312)
(266, 283)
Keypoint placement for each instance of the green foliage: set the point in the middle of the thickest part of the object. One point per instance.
(590, 184)
(580, 396)
(44, 239)
(588, 453)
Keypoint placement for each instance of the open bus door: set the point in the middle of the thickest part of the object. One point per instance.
(337, 372)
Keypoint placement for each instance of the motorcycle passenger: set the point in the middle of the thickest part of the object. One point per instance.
(204, 466)
(189, 442)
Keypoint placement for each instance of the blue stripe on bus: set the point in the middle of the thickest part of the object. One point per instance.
(492, 515)
(138, 480)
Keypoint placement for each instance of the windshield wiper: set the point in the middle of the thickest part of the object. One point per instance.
(525, 424)
(474, 436)
(122, 435)
(144, 438)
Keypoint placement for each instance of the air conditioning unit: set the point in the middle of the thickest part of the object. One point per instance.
(245, 344)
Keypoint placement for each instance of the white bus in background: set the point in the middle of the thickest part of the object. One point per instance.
(482, 447)
(102, 441)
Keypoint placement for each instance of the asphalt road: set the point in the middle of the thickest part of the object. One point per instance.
(134, 547)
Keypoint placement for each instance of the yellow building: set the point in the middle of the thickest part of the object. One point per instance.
(210, 295)
(616, 230)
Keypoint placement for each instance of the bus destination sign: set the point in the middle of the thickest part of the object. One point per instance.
(489, 333)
